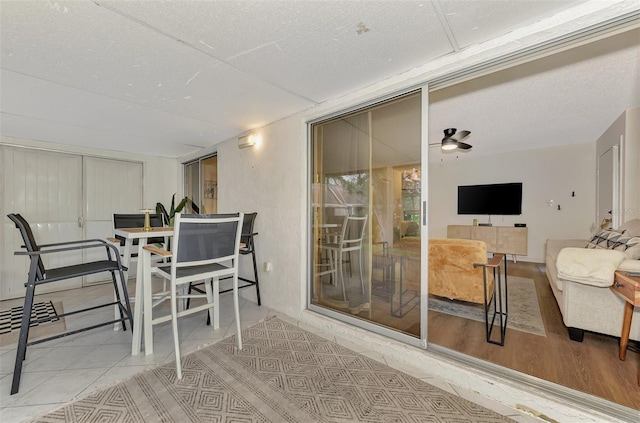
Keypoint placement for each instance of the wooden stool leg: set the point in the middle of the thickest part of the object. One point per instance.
(626, 327)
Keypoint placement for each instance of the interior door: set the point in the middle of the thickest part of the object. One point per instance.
(45, 188)
(110, 186)
(607, 187)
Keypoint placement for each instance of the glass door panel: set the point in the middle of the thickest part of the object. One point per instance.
(209, 185)
(201, 185)
(367, 169)
(192, 185)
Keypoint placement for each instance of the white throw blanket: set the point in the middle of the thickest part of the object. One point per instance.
(589, 266)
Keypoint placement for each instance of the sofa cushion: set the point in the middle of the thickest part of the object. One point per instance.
(632, 245)
(629, 265)
(630, 227)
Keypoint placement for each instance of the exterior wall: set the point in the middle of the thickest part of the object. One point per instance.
(269, 179)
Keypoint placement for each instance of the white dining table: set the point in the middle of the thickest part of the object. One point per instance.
(142, 315)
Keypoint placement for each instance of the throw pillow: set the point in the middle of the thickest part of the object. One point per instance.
(632, 247)
(606, 239)
(610, 239)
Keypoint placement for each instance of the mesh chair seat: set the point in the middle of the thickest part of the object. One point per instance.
(84, 269)
(193, 270)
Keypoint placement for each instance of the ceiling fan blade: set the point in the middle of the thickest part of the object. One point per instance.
(464, 145)
(459, 136)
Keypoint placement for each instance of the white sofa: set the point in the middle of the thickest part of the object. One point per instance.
(587, 305)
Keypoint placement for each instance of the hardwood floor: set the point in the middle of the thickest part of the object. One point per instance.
(592, 366)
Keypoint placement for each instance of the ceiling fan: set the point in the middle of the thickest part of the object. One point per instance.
(453, 140)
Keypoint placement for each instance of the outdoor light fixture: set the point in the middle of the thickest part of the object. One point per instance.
(248, 140)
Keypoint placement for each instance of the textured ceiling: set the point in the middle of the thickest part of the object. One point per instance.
(168, 77)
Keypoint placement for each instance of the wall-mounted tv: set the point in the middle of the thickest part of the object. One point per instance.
(495, 199)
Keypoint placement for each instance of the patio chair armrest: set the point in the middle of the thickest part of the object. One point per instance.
(71, 246)
(159, 251)
(80, 241)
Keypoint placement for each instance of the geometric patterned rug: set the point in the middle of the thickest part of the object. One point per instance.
(524, 310)
(282, 374)
(47, 312)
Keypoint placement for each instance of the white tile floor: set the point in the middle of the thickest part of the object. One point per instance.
(58, 371)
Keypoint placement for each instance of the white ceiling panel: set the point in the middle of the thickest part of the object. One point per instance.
(164, 76)
(316, 49)
(358, 44)
(122, 59)
(141, 128)
(476, 21)
(59, 133)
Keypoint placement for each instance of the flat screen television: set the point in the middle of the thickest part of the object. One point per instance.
(496, 199)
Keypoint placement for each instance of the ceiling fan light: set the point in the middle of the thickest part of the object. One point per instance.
(449, 144)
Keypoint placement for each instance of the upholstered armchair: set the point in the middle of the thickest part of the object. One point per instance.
(451, 269)
(459, 269)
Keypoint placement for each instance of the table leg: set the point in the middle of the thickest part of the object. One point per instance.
(145, 280)
(138, 314)
(626, 328)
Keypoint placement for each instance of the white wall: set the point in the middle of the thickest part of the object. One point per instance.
(160, 173)
(631, 184)
(547, 174)
(625, 133)
(269, 179)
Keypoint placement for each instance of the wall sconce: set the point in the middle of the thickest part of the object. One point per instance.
(248, 140)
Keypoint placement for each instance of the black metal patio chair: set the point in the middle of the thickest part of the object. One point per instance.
(40, 275)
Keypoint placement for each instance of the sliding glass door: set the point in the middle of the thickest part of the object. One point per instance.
(366, 222)
(201, 184)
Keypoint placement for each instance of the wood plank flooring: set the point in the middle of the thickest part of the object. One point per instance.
(592, 366)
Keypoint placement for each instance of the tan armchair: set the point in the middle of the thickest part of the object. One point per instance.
(451, 269)
(457, 270)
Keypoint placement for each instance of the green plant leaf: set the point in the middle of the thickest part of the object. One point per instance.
(170, 215)
(173, 209)
(181, 204)
(162, 211)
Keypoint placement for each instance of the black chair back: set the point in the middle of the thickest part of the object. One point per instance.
(121, 221)
(200, 241)
(247, 231)
(29, 240)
